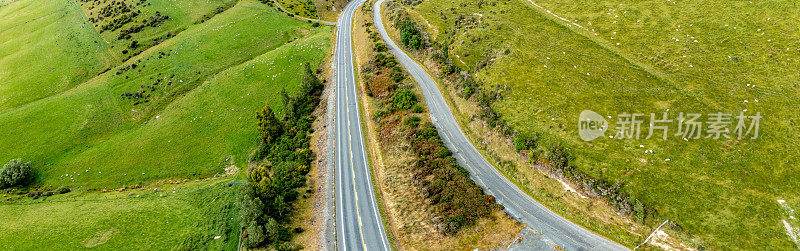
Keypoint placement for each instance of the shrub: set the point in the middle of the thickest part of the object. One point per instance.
(287, 246)
(15, 173)
(379, 114)
(383, 60)
(522, 142)
(62, 190)
(397, 74)
(412, 121)
(449, 69)
(409, 34)
(559, 158)
(457, 201)
(404, 99)
(381, 47)
(255, 234)
(467, 92)
(417, 109)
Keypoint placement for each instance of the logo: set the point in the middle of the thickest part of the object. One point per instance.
(591, 125)
(690, 126)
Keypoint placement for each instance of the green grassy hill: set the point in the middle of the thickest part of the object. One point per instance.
(92, 109)
(46, 47)
(199, 92)
(192, 215)
(641, 56)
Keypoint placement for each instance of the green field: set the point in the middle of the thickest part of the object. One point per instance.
(46, 47)
(89, 118)
(218, 72)
(181, 15)
(746, 57)
(184, 216)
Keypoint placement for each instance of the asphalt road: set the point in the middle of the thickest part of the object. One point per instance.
(555, 230)
(358, 222)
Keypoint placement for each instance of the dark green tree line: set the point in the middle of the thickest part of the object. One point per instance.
(284, 154)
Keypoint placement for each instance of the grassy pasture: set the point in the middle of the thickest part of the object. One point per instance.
(182, 14)
(202, 89)
(189, 129)
(194, 214)
(46, 48)
(722, 191)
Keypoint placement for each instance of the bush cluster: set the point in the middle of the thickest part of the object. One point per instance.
(115, 14)
(216, 11)
(35, 194)
(404, 99)
(381, 60)
(118, 22)
(558, 158)
(383, 76)
(152, 21)
(159, 86)
(15, 173)
(456, 199)
(265, 202)
(409, 34)
(560, 162)
(269, 3)
(111, 9)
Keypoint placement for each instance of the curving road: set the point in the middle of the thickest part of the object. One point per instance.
(555, 230)
(358, 222)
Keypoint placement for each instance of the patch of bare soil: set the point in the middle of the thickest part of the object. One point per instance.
(99, 238)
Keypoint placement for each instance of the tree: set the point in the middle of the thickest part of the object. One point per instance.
(409, 34)
(272, 230)
(261, 182)
(302, 103)
(255, 234)
(250, 211)
(15, 173)
(281, 206)
(285, 99)
(250, 206)
(310, 81)
(266, 200)
(269, 127)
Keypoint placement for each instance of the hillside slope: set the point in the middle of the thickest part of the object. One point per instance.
(190, 215)
(182, 108)
(639, 57)
(46, 47)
